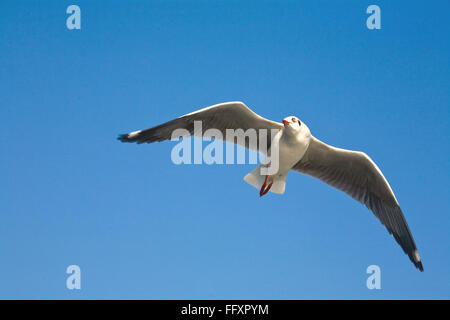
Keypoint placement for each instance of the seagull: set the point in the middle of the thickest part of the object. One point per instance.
(352, 172)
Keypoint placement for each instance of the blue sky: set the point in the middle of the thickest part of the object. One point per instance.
(141, 227)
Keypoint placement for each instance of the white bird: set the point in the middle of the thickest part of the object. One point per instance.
(350, 171)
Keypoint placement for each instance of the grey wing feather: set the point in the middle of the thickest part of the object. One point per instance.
(230, 115)
(357, 175)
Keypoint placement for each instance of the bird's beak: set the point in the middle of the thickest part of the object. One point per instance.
(286, 122)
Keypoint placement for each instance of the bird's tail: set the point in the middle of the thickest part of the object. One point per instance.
(256, 179)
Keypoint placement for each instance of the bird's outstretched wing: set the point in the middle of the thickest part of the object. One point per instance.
(229, 115)
(357, 175)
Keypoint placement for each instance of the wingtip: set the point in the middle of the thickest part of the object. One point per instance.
(420, 266)
(417, 261)
(129, 137)
(122, 137)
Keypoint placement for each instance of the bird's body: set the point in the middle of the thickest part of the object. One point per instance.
(292, 142)
(350, 171)
(293, 145)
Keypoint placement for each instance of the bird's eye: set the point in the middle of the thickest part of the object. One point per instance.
(294, 120)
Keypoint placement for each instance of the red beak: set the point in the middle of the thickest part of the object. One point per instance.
(286, 122)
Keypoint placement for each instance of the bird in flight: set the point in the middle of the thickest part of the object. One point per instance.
(352, 172)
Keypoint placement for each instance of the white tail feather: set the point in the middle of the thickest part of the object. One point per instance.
(256, 180)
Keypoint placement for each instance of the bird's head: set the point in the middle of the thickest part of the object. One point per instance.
(294, 125)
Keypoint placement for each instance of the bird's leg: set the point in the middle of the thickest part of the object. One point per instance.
(264, 190)
(268, 188)
(261, 192)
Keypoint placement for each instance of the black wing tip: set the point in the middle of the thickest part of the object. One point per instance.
(419, 265)
(415, 258)
(125, 138)
(122, 137)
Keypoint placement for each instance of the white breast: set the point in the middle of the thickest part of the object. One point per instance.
(292, 149)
